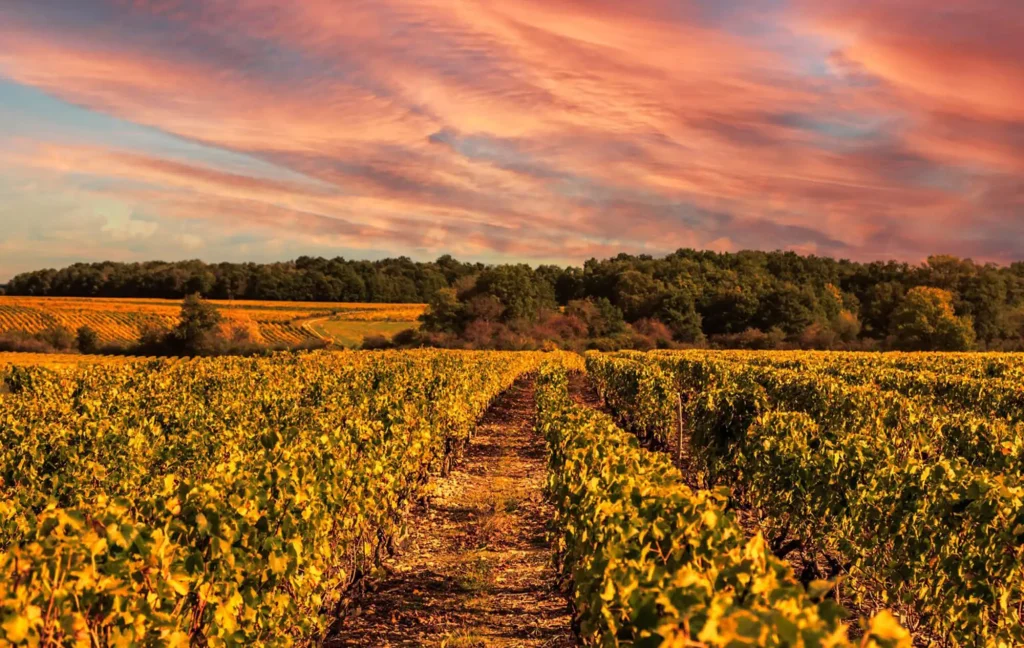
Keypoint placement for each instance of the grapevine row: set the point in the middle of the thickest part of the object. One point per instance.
(653, 563)
(217, 501)
(924, 507)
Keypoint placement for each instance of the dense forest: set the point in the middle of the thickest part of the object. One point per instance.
(398, 280)
(746, 299)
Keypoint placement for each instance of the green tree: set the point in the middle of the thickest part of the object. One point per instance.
(444, 312)
(831, 302)
(601, 317)
(636, 293)
(984, 296)
(879, 302)
(678, 311)
(728, 309)
(88, 340)
(519, 291)
(789, 308)
(926, 321)
(198, 323)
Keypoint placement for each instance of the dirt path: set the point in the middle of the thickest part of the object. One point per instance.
(476, 569)
(307, 326)
(583, 392)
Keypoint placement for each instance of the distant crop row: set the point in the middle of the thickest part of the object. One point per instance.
(122, 321)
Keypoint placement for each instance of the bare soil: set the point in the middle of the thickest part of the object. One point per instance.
(476, 568)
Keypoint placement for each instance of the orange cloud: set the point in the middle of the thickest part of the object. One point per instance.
(962, 55)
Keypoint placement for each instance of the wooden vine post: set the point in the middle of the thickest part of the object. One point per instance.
(679, 429)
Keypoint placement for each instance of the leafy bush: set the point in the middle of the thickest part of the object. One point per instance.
(88, 340)
(58, 337)
(24, 342)
(376, 342)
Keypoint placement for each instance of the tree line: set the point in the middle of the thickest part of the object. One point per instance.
(748, 299)
(398, 280)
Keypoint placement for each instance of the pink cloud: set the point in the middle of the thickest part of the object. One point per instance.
(961, 56)
(536, 128)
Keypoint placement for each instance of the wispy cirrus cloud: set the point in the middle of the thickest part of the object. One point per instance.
(528, 129)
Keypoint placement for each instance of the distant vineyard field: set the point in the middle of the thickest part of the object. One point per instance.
(350, 333)
(119, 321)
(62, 360)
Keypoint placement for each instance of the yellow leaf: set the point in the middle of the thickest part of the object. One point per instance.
(710, 518)
(98, 547)
(278, 563)
(178, 586)
(609, 591)
(885, 626)
(16, 629)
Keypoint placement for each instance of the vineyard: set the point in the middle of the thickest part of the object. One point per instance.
(897, 477)
(120, 321)
(696, 498)
(230, 501)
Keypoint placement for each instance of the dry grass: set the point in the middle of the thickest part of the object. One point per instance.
(464, 639)
(499, 513)
(351, 333)
(477, 573)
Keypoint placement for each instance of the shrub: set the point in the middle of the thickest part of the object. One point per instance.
(409, 337)
(87, 340)
(153, 334)
(198, 324)
(59, 337)
(23, 342)
(655, 333)
(605, 344)
(818, 336)
(376, 342)
(751, 338)
(240, 331)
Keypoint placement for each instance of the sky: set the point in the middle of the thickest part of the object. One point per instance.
(520, 130)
